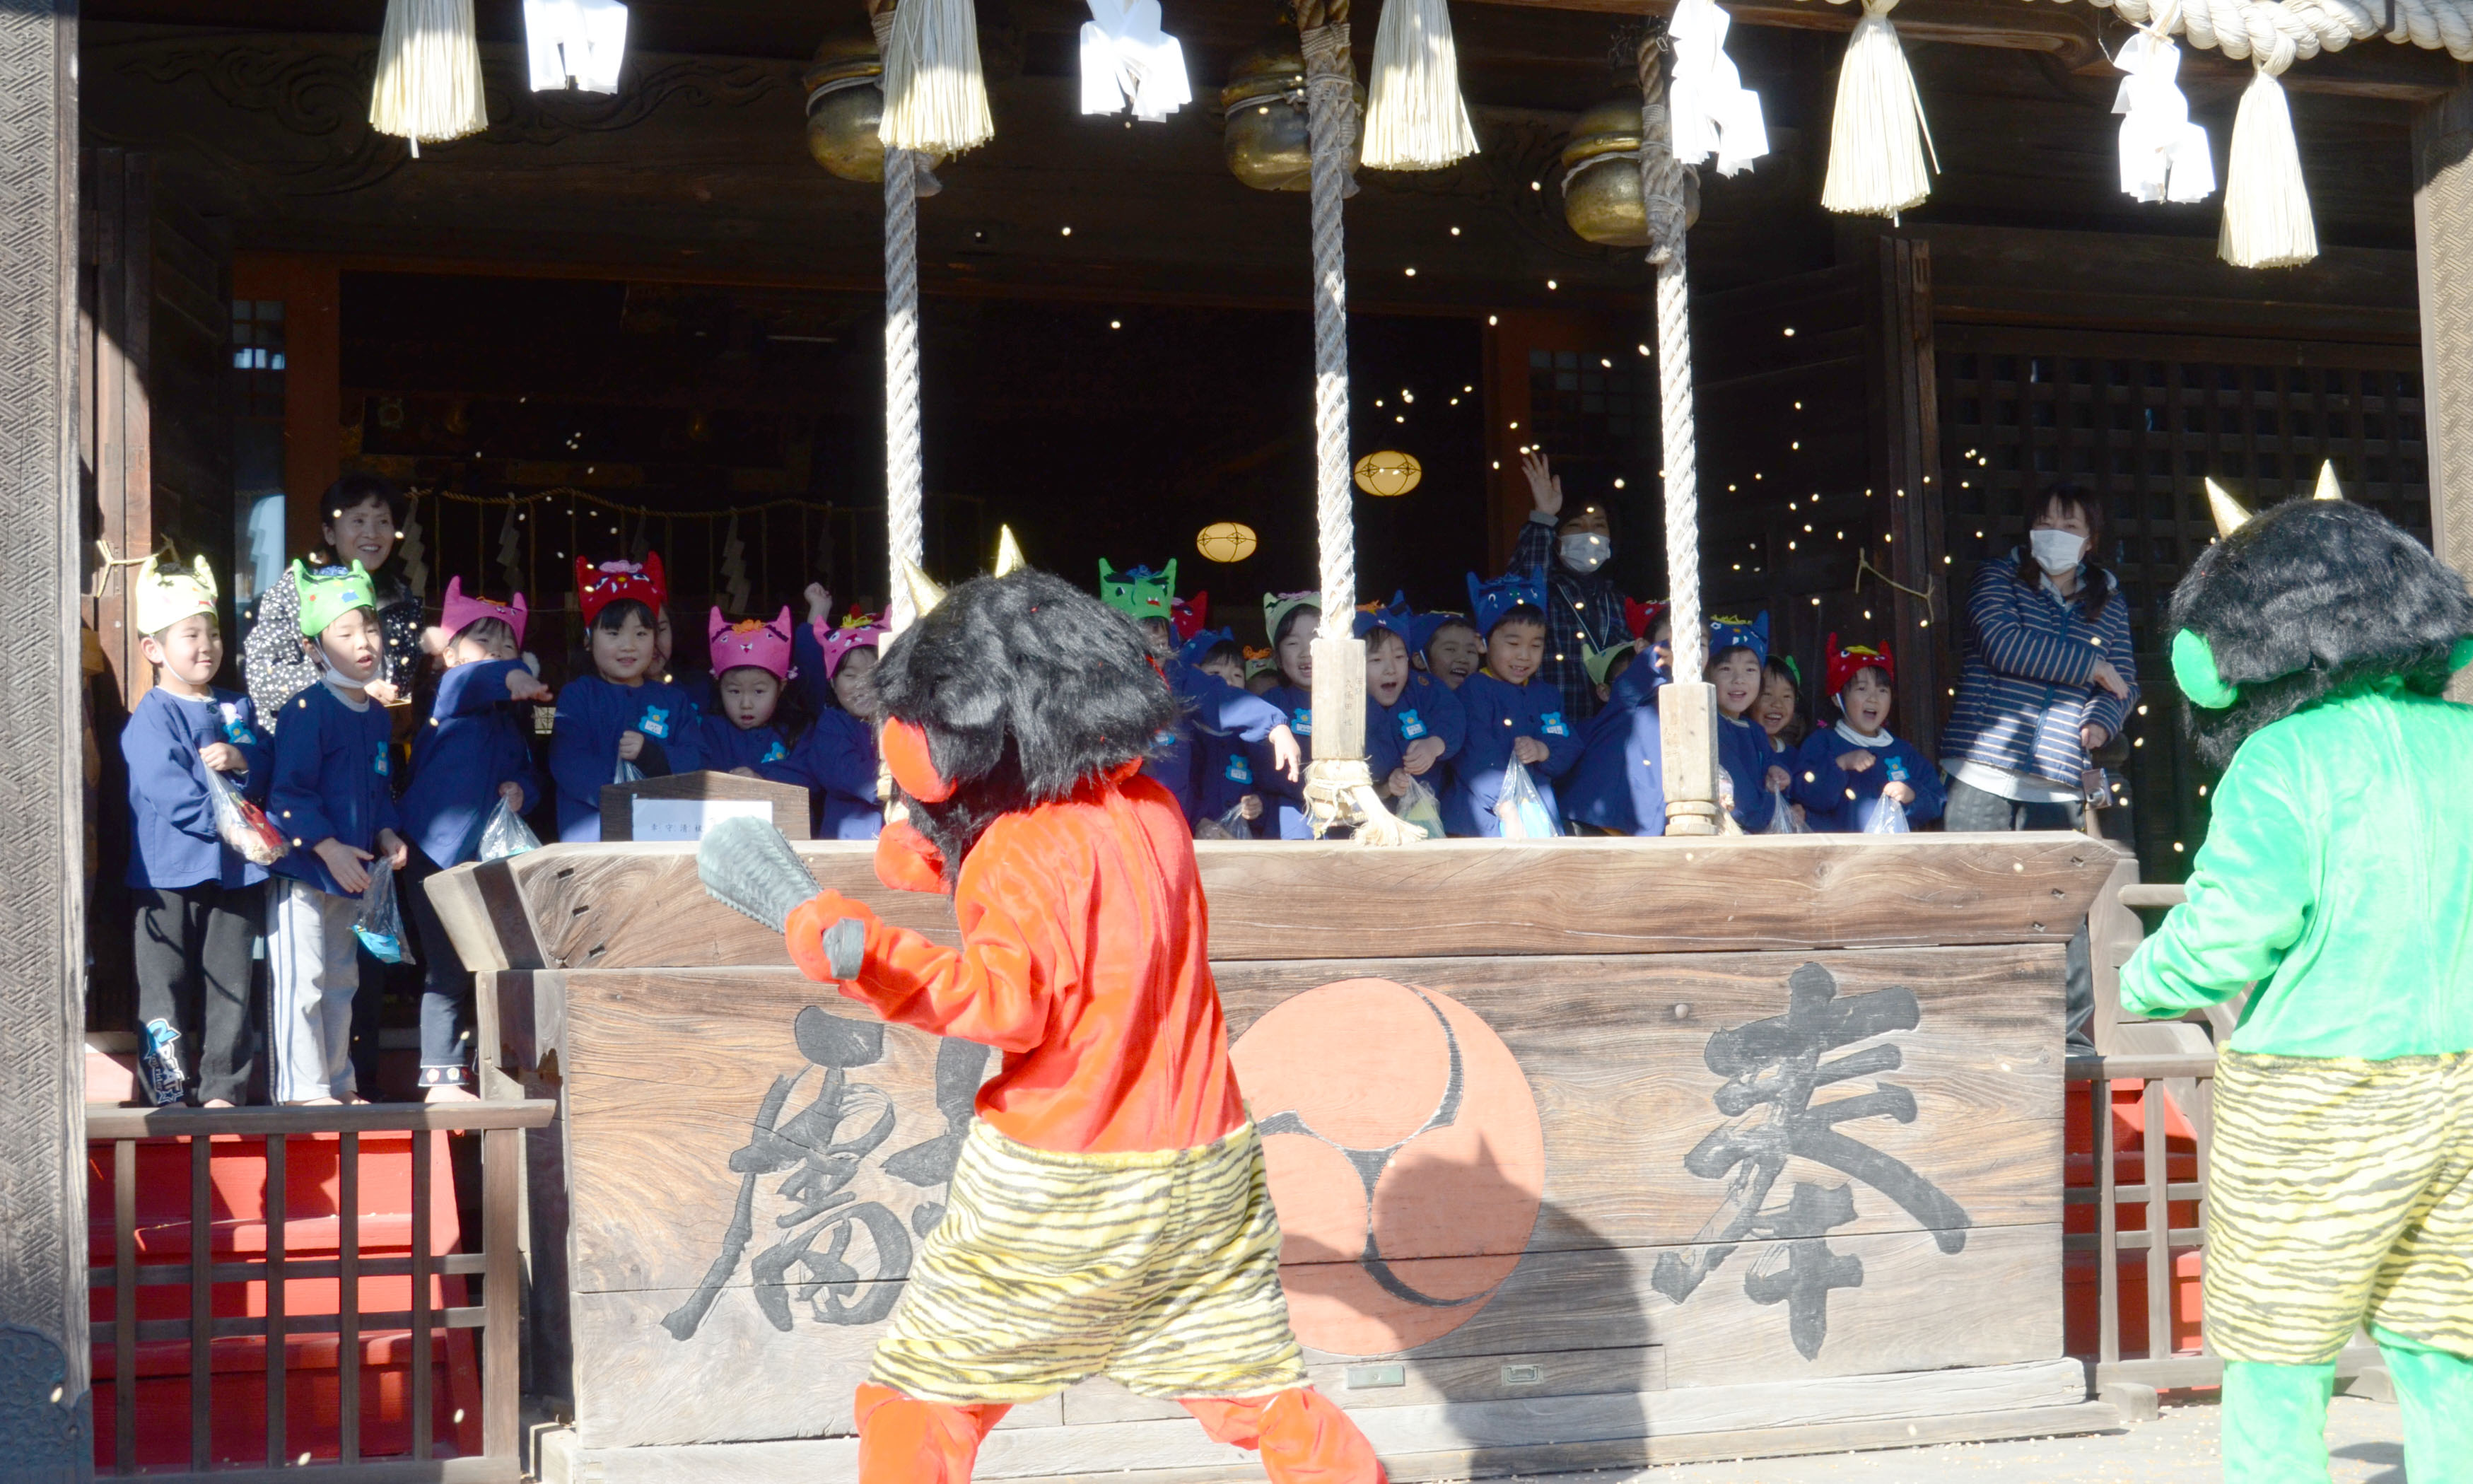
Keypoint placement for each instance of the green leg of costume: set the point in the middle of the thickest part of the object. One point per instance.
(2435, 1389)
(2275, 1422)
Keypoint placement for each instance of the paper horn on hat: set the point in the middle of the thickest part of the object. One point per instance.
(1009, 559)
(924, 592)
(2230, 515)
(2328, 488)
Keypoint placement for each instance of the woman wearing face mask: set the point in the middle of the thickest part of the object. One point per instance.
(2046, 678)
(1572, 544)
(360, 518)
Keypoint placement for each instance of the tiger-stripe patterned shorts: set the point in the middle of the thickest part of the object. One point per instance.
(1160, 1270)
(2339, 1191)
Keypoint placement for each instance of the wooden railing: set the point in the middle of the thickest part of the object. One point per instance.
(494, 1264)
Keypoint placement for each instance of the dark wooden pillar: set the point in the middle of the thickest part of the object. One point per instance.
(1907, 470)
(42, 1118)
(2442, 231)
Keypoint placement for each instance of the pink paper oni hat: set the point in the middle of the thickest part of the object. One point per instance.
(751, 643)
(462, 613)
(859, 630)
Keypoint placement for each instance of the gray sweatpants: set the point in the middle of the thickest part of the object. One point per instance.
(313, 971)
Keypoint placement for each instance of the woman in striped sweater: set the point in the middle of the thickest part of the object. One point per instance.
(2046, 676)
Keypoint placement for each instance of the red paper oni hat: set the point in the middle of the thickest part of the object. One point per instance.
(1188, 615)
(1642, 617)
(1844, 663)
(596, 587)
(753, 644)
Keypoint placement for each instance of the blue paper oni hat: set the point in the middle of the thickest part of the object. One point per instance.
(1192, 650)
(1725, 634)
(1423, 627)
(1396, 616)
(1490, 601)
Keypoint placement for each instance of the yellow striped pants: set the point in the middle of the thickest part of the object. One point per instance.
(2339, 1192)
(1161, 1270)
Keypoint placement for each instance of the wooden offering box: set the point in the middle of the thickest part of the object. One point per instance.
(1587, 1153)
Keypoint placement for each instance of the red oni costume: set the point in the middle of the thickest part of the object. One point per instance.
(1109, 1214)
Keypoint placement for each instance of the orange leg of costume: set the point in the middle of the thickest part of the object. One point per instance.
(1303, 1438)
(906, 1442)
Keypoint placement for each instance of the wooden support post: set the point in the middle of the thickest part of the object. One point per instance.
(2442, 232)
(1687, 720)
(1909, 472)
(43, 929)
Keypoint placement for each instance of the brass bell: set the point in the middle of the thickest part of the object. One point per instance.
(846, 107)
(1269, 142)
(1601, 177)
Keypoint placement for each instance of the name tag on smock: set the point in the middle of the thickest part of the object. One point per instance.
(1239, 771)
(1300, 721)
(656, 721)
(1412, 725)
(235, 730)
(774, 754)
(1553, 724)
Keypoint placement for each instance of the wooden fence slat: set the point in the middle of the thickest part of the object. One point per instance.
(501, 1169)
(278, 1358)
(347, 1293)
(422, 1382)
(2159, 1225)
(201, 1304)
(124, 1310)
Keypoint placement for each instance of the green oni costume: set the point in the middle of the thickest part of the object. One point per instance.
(2337, 877)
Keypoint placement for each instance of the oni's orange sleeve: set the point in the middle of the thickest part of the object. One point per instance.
(995, 991)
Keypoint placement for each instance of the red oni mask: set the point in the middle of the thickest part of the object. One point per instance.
(596, 587)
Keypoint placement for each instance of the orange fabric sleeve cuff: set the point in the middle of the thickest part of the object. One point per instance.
(805, 931)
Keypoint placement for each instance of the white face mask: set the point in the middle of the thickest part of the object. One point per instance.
(1586, 551)
(2056, 551)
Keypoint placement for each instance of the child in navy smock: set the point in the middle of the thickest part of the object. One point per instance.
(1510, 714)
(1413, 723)
(835, 760)
(1619, 785)
(1291, 620)
(474, 754)
(1737, 654)
(333, 798)
(1843, 774)
(752, 723)
(200, 904)
(618, 717)
(1226, 734)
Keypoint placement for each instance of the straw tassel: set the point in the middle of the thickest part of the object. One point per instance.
(429, 73)
(1878, 139)
(935, 92)
(2267, 204)
(1414, 116)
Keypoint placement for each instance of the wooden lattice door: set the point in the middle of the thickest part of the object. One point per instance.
(2142, 420)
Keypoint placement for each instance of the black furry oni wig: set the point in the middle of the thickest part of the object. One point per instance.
(2311, 598)
(1027, 689)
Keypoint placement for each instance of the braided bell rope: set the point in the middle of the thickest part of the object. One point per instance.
(1661, 182)
(905, 461)
(1332, 119)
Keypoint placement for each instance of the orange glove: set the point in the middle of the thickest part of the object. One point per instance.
(907, 861)
(805, 931)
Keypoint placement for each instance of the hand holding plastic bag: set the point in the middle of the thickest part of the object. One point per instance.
(1520, 808)
(507, 834)
(380, 924)
(1420, 808)
(627, 773)
(1782, 819)
(243, 824)
(1888, 818)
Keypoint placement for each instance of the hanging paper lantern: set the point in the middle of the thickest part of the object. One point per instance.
(1226, 541)
(1388, 472)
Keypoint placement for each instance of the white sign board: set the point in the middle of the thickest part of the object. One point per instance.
(688, 818)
